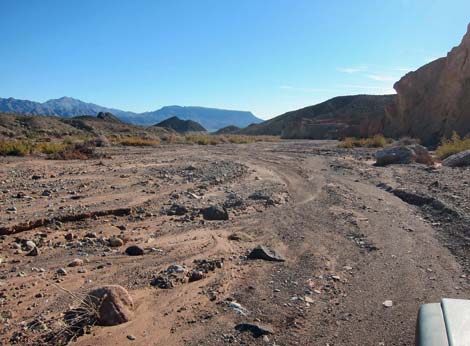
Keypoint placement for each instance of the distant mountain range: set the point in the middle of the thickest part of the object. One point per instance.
(211, 118)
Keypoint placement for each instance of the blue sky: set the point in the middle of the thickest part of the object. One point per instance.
(266, 56)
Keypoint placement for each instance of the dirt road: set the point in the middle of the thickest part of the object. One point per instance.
(349, 241)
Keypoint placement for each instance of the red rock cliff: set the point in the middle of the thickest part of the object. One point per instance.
(434, 100)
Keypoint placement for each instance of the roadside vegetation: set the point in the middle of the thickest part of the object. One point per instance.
(377, 141)
(453, 145)
(67, 149)
(81, 147)
(136, 141)
(206, 139)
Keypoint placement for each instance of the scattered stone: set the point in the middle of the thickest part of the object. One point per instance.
(215, 212)
(116, 242)
(195, 275)
(264, 253)
(177, 209)
(113, 304)
(77, 262)
(61, 271)
(46, 193)
(11, 210)
(256, 330)
(30, 245)
(134, 250)
(261, 196)
(237, 308)
(121, 227)
(69, 236)
(162, 282)
(36, 177)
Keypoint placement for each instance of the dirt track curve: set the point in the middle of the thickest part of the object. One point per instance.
(349, 244)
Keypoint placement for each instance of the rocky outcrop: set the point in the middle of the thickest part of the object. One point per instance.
(106, 116)
(434, 101)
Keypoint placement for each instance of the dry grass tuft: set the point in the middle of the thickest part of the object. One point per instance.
(136, 141)
(452, 146)
(378, 141)
(62, 329)
(78, 151)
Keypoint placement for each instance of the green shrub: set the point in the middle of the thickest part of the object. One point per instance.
(452, 146)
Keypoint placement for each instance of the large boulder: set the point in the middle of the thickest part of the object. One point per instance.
(403, 154)
(112, 304)
(458, 160)
(434, 101)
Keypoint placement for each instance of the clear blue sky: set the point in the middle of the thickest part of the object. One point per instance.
(266, 56)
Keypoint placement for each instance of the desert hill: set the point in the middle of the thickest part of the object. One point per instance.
(31, 126)
(181, 126)
(359, 115)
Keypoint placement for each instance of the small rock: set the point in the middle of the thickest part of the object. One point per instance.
(256, 330)
(77, 262)
(30, 245)
(131, 337)
(388, 303)
(195, 275)
(69, 236)
(61, 271)
(262, 252)
(215, 212)
(113, 304)
(134, 250)
(116, 242)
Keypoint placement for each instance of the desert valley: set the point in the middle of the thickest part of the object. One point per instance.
(328, 225)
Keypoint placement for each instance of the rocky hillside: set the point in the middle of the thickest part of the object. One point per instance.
(181, 126)
(434, 100)
(359, 115)
(30, 126)
(211, 118)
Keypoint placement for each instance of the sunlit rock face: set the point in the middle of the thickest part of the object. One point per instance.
(434, 101)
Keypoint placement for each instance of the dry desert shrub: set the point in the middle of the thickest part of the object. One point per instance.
(378, 141)
(452, 146)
